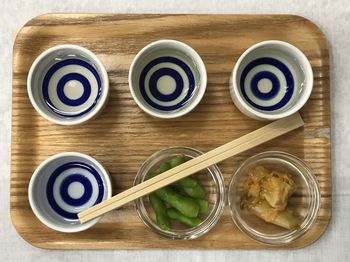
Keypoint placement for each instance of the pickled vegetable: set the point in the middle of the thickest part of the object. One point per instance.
(285, 218)
(267, 194)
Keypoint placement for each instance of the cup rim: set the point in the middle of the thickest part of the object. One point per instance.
(194, 232)
(69, 121)
(281, 239)
(192, 104)
(302, 100)
(37, 172)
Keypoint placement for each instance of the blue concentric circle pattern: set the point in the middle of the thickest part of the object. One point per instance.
(267, 84)
(73, 187)
(71, 87)
(179, 75)
(65, 194)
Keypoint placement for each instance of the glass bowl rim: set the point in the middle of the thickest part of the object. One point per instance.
(310, 218)
(207, 224)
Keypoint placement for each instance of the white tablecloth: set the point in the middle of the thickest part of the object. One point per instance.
(332, 16)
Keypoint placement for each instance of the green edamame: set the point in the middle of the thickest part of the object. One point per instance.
(160, 211)
(177, 160)
(182, 208)
(191, 221)
(203, 205)
(151, 174)
(165, 166)
(185, 205)
(195, 192)
(186, 181)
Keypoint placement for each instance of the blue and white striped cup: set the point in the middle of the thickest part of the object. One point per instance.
(63, 186)
(167, 79)
(68, 85)
(271, 80)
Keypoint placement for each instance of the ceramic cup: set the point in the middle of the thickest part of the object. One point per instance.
(64, 185)
(167, 79)
(271, 80)
(68, 85)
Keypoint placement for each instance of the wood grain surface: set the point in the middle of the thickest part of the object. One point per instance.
(123, 136)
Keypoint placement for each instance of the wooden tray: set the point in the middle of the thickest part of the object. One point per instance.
(123, 136)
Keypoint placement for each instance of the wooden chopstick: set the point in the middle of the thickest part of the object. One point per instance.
(257, 137)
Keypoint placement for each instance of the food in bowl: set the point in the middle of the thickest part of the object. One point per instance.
(211, 202)
(267, 194)
(182, 201)
(303, 198)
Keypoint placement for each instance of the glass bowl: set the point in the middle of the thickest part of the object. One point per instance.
(305, 202)
(210, 179)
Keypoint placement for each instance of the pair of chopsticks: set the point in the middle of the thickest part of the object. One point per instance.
(255, 138)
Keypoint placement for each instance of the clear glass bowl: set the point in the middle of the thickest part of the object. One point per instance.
(210, 179)
(305, 202)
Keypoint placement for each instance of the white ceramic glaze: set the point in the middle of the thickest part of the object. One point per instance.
(68, 85)
(64, 185)
(271, 80)
(167, 79)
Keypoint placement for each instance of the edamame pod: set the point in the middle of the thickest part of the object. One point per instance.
(177, 160)
(195, 192)
(160, 210)
(165, 166)
(203, 205)
(186, 181)
(191, 221)
(151, 174)
(185, 205)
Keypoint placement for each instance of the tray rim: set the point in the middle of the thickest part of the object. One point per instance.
(323, 42)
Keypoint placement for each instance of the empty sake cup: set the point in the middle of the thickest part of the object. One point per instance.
(167, 79)
(68, 85)
(63, 186)
(271, 80)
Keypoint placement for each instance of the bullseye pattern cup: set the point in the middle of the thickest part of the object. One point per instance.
(167, 79)
(64, 185)
(271, 80)
(68, 85)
